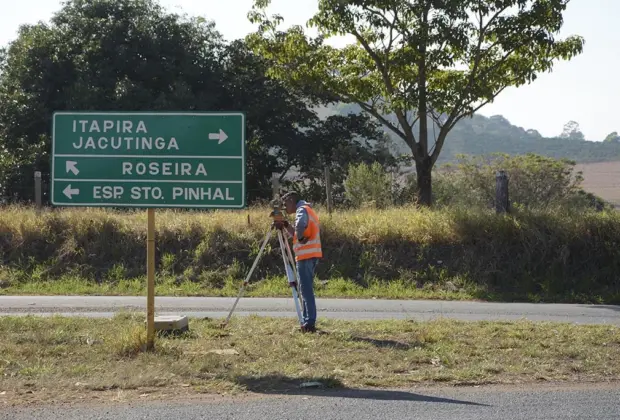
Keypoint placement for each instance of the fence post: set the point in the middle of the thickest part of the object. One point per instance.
(37, 190)
(502, 200)
(275, 186)
(328, 189)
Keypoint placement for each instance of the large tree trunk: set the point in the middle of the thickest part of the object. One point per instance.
(424, 169)
(424, 162)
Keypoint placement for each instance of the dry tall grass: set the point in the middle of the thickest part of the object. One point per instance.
(568, 257)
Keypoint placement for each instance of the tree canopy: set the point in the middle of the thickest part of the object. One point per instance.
(116, 55)
(425, 61)
(612, 137)
(100, 55)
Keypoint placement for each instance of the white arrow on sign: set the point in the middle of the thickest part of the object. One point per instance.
(221, 136)
(69, 192)
(71, 166)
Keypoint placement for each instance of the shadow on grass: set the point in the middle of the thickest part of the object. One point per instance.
(390, 344)
(284, 385)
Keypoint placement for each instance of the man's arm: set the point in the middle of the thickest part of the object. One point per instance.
(301, 221)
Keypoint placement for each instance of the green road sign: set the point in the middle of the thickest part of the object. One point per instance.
(149, 159)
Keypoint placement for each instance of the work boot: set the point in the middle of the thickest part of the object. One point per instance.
(308, 329)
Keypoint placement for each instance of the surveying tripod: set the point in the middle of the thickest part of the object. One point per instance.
(289, 264)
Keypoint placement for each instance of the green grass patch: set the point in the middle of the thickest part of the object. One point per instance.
(80, 356)
(400, 252)
(271, 287)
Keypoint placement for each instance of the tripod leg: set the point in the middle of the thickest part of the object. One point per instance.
(289, 254)
(292, 279)
(292, 262)
(247, 279)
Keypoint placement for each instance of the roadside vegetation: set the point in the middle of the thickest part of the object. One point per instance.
(66, 359)
(557, 244)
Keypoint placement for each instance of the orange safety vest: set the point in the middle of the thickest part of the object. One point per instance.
(312, 248)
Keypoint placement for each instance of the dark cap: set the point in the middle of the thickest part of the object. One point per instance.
(290, 194)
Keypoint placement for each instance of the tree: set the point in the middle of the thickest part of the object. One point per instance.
(420, 60)
(276, 116)
(131, 55)
(612, 137)
(284, 133)
(100, 54)
(572, 131)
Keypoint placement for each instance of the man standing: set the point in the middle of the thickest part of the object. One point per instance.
(307, 247)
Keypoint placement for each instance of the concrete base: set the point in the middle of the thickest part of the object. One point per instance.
(171, 324)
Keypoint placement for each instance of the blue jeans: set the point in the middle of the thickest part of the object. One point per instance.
(306, 268)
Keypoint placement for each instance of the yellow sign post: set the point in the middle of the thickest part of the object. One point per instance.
(93, 171)
(150, 277)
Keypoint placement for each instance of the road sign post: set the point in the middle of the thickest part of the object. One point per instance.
(150, 279)
(149, 160)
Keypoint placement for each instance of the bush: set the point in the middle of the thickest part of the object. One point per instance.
(368, 186)
(535, 183)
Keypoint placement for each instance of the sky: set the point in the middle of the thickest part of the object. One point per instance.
(584, 89)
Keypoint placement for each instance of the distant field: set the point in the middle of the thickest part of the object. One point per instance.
(602, 179)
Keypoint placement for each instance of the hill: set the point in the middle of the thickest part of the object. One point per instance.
(482, 135)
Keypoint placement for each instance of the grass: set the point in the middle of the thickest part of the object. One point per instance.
(270, 287)
(395, 253)
(63, 359)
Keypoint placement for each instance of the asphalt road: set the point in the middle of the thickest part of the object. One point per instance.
(358, 309)
(583, 402)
